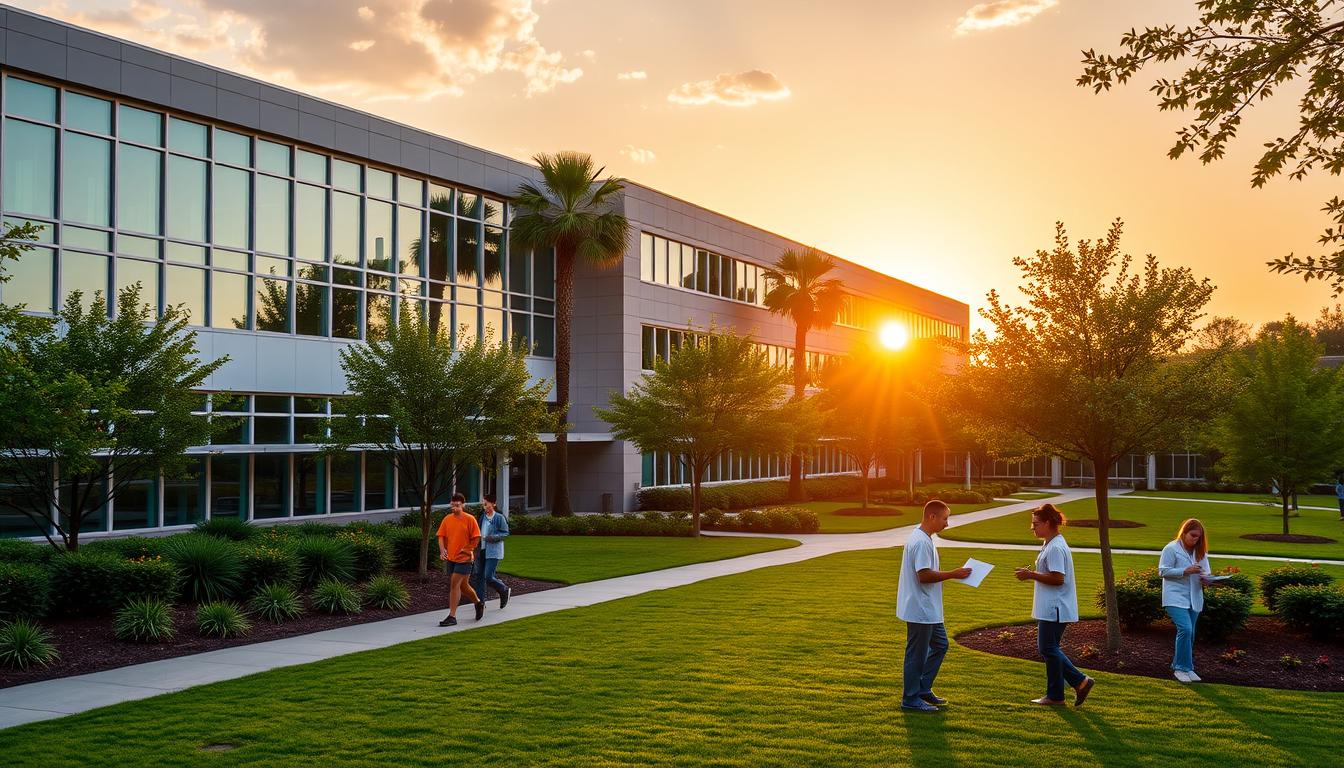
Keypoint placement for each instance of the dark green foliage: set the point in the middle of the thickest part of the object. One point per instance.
(1276, 579)
(221, 619)
(315, 528)
(373, 555)
(144, 620)
(387, 592)
(264, 564)
(648, 524)
(1138, 598)
(128, 548)
(1226, 609)
(1317, 609)
(757, 493)
(1210, 485)
(231, 528)
(16, 551)
(331, 596)
(771, 520)
(23, 590)
(920, 497)
(85, 584)
(321, 558)
(276, 603)
(149, 578)
(405, 543)
(436, 515)
(24, 644)
(211, 568)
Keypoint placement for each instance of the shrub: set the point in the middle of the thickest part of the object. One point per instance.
(16, 551)
(322, 558)
(129, 548)
(264, 564)
(24, 644)
(24, 591)
(373, 555)
(712, 518)
(221, 619)
(1225, 612)
(276, 603)
(1138, 598)
(144, 620)
(1277, 578)
(331, 596)
(387, 592)
(436, 514)
(1290, 662)
(1317, 609)
(405, 543)
(315, 528)
(149, 578)
(85, 583)
(211, 567)
(770, 520)
(231, 528)
(645, 524)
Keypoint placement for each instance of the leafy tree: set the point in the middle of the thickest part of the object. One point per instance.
(433, 410)
(576, 213)
(800, 290)
(84, 395)
(1285, 425)
(1329, 330)
(15, 240)
(1239, 53)
(1089, 368)
(718, 393)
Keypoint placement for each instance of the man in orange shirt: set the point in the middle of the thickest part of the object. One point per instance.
(458, 536)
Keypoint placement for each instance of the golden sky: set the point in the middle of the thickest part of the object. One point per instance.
(930, 139)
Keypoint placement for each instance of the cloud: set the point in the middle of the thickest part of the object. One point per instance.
(1001, 13)
(401, 48)
(638, 155)
(743, 89)
(634, 74)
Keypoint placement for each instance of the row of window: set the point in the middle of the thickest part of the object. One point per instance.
(657, 343)
(860, 312)
(668, 262)
(265, 486)
(662, 468)
(1170, 466)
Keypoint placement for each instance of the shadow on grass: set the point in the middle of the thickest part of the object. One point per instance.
(1107, 745)
(926, 737)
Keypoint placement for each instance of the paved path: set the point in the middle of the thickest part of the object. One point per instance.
(1274, 504)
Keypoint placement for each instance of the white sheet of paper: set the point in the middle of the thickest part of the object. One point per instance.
(1217, 578)
(979, 570)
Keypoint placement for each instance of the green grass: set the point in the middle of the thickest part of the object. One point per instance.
(764, 668)
(1225, 523)
(575, 559)
(1032, 495)
(1305, 500)
(833, 523)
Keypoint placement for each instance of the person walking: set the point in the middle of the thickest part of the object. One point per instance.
(919, 603)
(1184, 568)
(458, 535)
(494, 529)
(1054, 605)
(1339, 494)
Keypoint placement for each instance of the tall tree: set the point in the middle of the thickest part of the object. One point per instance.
(1091, 366)
(93, 406)
(718, 393)
(800, 290)
(1285, 425)
(1239, 53)
(578, 214)
(1329, 330)
(433, 410)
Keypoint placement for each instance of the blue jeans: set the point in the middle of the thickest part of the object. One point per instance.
(1185, 620)
(1058, 669)
(485, 573)
(925, 647)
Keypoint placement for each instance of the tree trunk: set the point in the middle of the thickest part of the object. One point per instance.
(1283, 497)
(695, 505)
(76, 517)
(796, 492)
(1103, 471)
(865, 486)
(423, 570)
(564, 317)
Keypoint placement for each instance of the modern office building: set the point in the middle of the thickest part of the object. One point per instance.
(291, 227)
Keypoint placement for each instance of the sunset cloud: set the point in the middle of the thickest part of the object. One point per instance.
(1001, 13)
(743, 89)
(634, 74)
(638, 155)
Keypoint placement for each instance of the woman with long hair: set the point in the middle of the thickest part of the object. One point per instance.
(1184, 568)
(1054, 606)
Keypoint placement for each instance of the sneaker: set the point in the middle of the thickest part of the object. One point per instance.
(504, 597)
(919, 705)
(1193, 677)
(1183, 676)
(933, 698)
(1047, 702)
(451, 621)
(480, 609)
(1084, 688)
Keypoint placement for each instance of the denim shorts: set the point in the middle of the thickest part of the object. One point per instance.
(462, 568)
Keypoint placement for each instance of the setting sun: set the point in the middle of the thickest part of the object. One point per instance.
(893, 335)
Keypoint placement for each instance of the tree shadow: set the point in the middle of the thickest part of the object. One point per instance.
(1107, 745)
(926, 737)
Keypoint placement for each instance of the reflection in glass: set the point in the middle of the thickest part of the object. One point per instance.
(184, 497)
(543, 336)
(30, 168)
(344, 481)
(469, 205)
(409, 223)
(272, 213)
(84, 272)
(30, 99)
(687, 267)
(440, 316)
(378, 235)
(232, 204)
(520, 331)
(410, 191)
(378, 183)
(228, 486)
(310, 496)
(270, 484)
(377, 483)
(468, 325)
(86, 180)
(439, 243)
(312, 167)
(186, 286)
(310, 223)
(185, 254)
(140, 126)
(272, 302)
(344, 228)
(32, 280)
(492, 324)
(520, 273)
(230, 260)
(543, 273)
(310, 309)
(187, 137)
(344, 313)
(228, 301)
(344, 175)
(186, 198)
(272, 157)
(494, 258)
(146, 273)
(468, 251)
(232, 148)
(378, 313)
(494, 212)
(137, 503)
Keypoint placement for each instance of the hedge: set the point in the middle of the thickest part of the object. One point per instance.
(23, 591)
(1317, 609)
(1274, 580)
(16, 551)
(768, 520)
(1138, 598)
(759, 493)
(1211, 485)
(85, 583)
(646, 524)
(1227, 605)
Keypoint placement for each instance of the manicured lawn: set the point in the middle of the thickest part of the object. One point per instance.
(1225, 523)
(833, 523)
(574, 559)
(1303, 500)
(1032, 495)
(764, 668)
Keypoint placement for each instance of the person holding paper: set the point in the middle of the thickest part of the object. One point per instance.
(1184, 568)
(919, 603)
(1054, 605)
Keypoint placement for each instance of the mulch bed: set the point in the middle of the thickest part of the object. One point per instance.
(88, 644)
(868, 512)
(1113, 523)
(1291, 538)
(1147, 652)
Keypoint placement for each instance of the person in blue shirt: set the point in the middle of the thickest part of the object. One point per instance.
(1339, 493)
(494, 529)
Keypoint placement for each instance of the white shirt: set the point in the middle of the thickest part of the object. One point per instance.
(917, 602)
(1179, 589)
(1048, 602)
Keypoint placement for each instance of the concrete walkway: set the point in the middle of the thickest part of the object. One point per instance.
(1274, 504)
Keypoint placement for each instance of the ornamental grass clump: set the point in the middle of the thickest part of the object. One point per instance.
(229, 528)
(221, 619)
(323, 558)
(276, 603)
(331, 596)
(267, 563)
(24, 644)
(373, 555)
(211, 568)
(144, 620)
(388, 593)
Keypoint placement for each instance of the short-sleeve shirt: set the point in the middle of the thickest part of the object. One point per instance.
(917, 602)
(459, 530)
(1048, 602)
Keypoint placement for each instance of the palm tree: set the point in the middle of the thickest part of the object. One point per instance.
(800, 290)
(574, 212)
